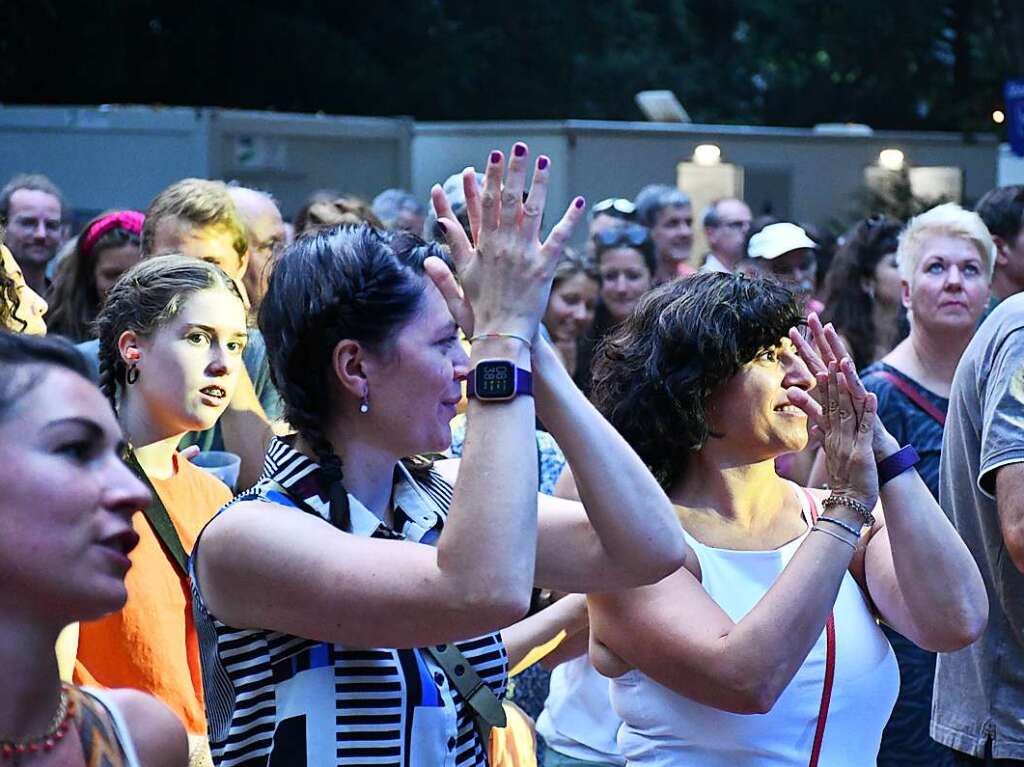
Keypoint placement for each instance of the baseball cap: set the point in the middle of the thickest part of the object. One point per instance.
(777, 239)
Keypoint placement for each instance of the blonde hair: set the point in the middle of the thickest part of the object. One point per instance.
(947, 219)
(195, 202)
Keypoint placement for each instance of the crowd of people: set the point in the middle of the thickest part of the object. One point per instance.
(506, 500)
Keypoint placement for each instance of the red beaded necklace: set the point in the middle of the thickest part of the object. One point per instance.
(12, 748)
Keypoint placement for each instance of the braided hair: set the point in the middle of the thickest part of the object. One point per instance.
(145, 297)
(344, 282)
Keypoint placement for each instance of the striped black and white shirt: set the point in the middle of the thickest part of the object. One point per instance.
(274, 700)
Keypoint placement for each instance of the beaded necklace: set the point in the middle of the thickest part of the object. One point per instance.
(13, 748)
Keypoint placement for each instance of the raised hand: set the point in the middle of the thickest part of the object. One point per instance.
(828, 349)
(505, 271)
(845, 420)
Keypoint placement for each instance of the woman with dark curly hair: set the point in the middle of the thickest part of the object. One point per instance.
(862, 290)
(349, 604)
(107, 247)
(772, 612)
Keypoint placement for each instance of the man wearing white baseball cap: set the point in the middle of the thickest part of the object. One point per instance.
(784, 252)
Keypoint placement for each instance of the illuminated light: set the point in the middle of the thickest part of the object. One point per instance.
(707, 154)
(998, 116)
(891, 159)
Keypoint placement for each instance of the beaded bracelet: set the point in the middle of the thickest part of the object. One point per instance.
(483, 336)
(837, 536)
(867, 518)
(839, 523)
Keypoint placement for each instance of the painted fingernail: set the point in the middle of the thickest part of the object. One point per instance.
(580, 202)
(519, 150)
(542, 162)
(495, 158)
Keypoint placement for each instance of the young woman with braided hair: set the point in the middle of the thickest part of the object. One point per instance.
(347, 545)
(171, 338)
(65, 538)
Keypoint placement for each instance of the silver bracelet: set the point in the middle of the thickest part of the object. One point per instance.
(837, 536)
(845, 525)
(483, 336)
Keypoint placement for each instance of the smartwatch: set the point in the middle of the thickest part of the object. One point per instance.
(498, 381)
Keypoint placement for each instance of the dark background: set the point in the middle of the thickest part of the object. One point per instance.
(900, 65)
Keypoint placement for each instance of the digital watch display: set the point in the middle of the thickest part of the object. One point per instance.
(498, 381)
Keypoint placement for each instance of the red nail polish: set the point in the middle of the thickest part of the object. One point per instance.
(519, 150)
(542, 162)
(495, 158)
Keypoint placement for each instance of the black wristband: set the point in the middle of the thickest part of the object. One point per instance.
(897, 463)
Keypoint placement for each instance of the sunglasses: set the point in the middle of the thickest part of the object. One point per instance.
(613, 206)
(626, 235)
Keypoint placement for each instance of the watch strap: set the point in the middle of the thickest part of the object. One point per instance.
(903, 459)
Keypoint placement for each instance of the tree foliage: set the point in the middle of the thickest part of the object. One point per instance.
(907, 65)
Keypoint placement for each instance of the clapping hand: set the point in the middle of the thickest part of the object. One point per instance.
(504, 269)
(842, 411)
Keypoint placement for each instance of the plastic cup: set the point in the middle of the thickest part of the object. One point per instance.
(221, 464)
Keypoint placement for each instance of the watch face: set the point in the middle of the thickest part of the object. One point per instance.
(495, 379)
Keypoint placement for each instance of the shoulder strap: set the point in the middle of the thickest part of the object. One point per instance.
(487, 709)
(158, 518)
(830, 661)
(97, 730)
(913, 395)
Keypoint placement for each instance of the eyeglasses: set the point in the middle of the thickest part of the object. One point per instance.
(613, 206)
(633, 235)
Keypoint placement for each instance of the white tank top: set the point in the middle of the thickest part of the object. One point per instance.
(662, 728)
(577, 719)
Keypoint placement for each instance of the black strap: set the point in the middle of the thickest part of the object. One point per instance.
(158, 518)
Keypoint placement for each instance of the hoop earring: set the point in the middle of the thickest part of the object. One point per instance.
(132, 375)
(364, 406)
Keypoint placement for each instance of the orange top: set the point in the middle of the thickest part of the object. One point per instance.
(151, 644)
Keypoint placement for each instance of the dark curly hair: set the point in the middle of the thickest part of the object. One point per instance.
(145, 297)
(847, 306)
(346, 281)
(655, 372)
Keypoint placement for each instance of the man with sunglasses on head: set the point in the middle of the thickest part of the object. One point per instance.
(667, 213)
(726, 223)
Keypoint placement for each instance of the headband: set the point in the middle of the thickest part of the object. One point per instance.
(130, 220)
